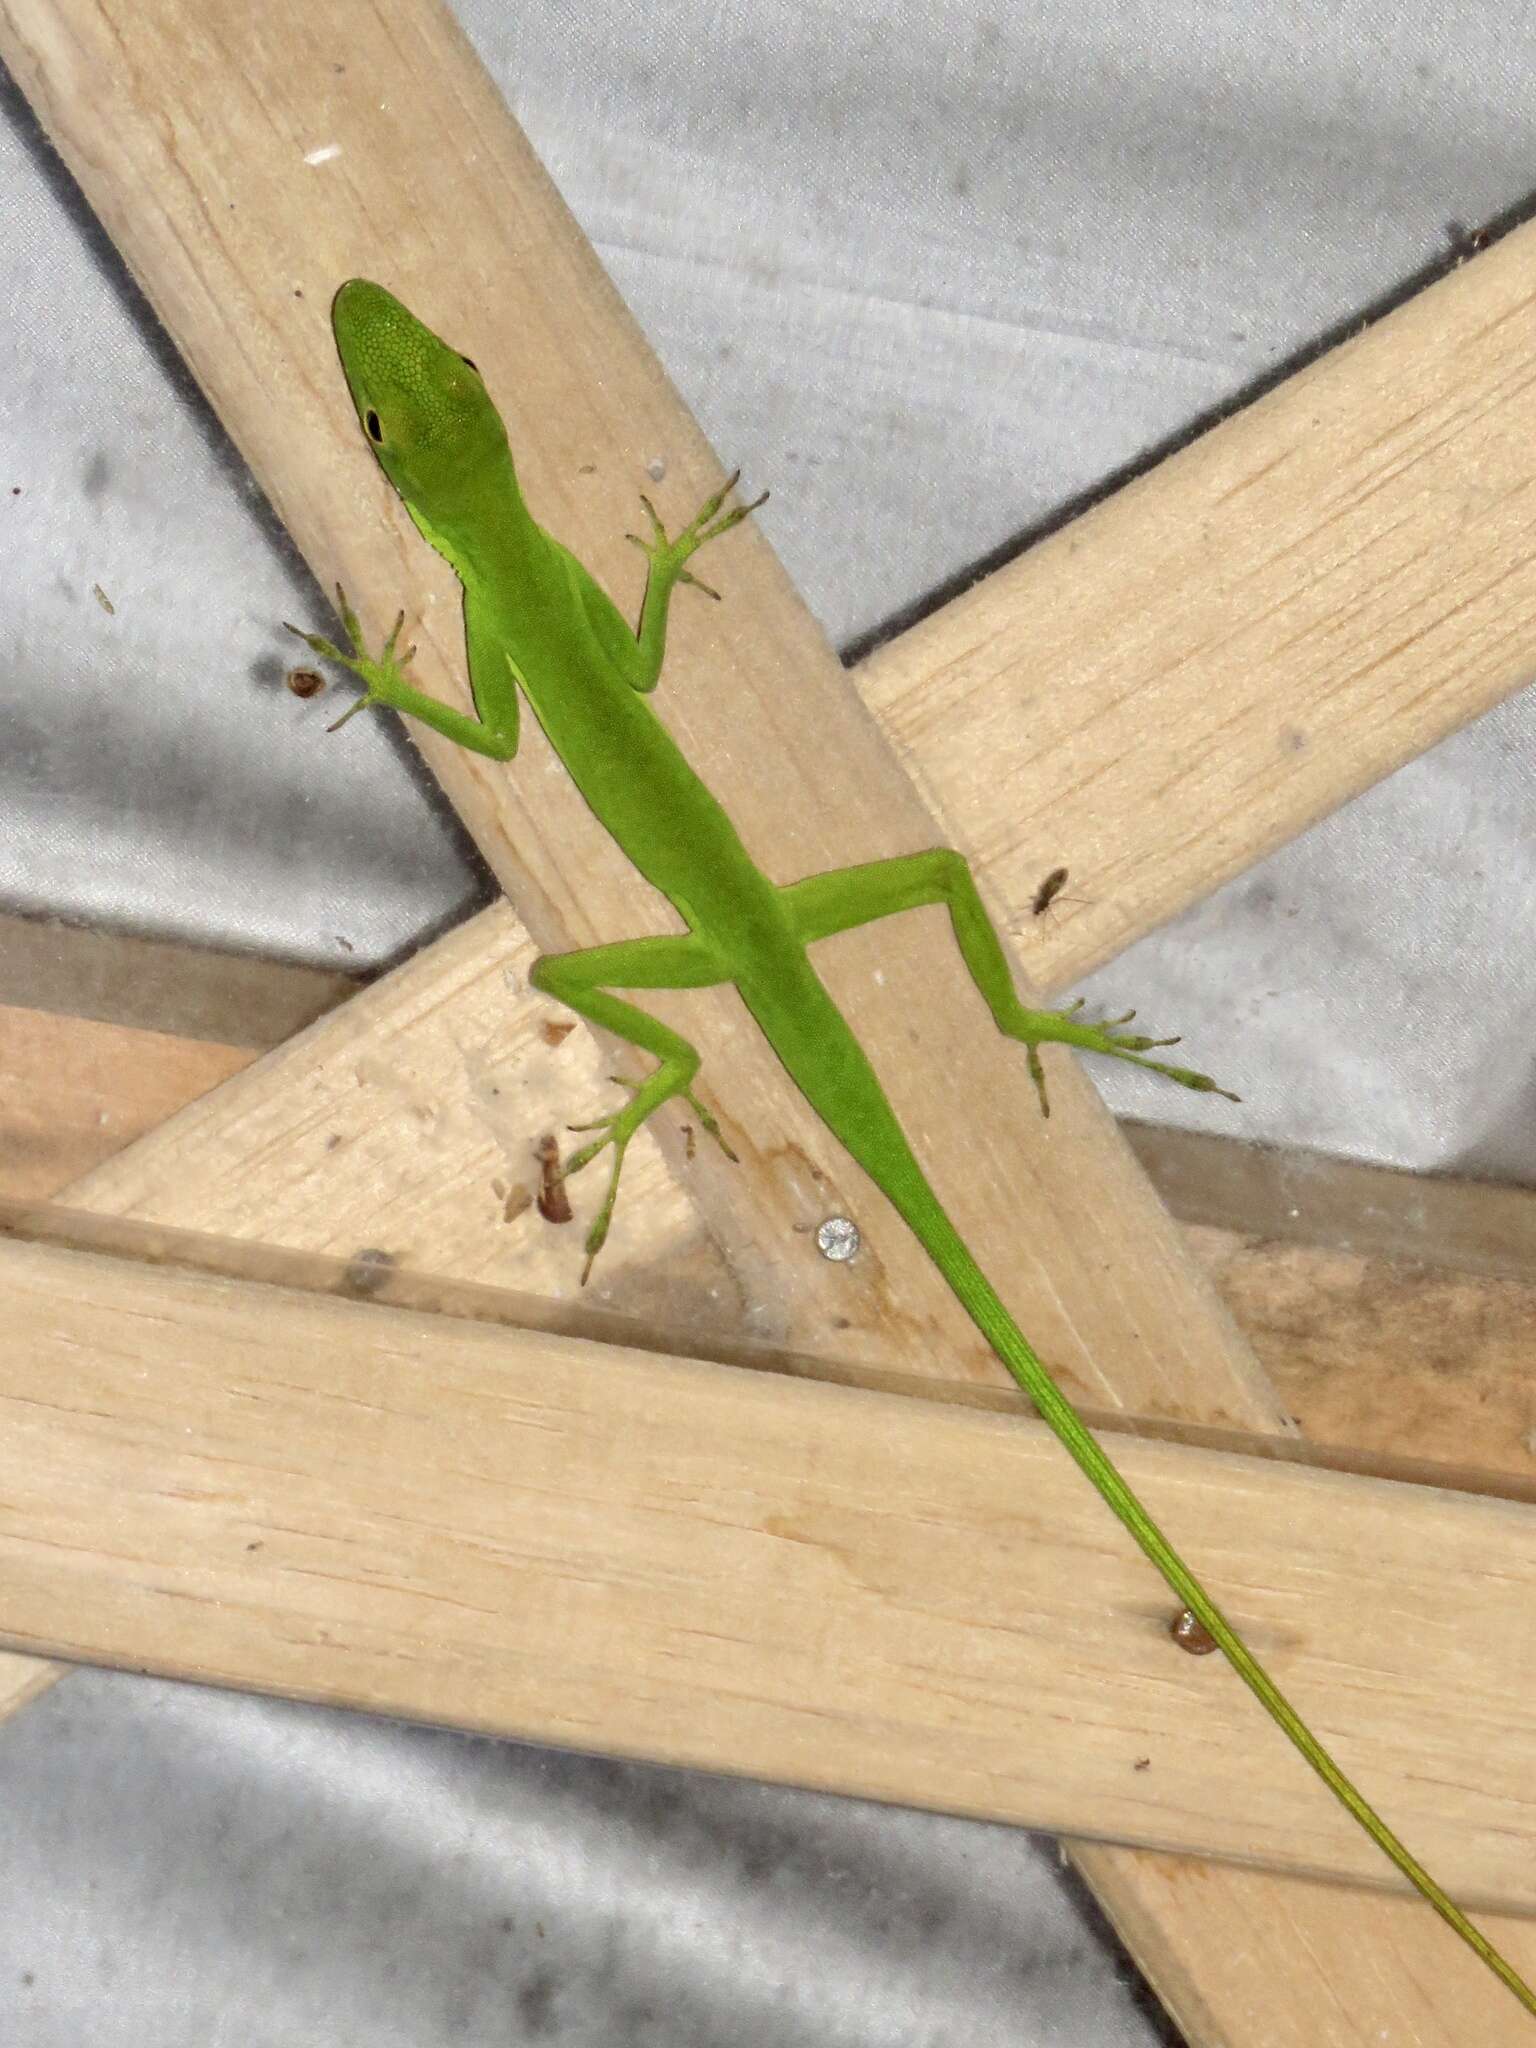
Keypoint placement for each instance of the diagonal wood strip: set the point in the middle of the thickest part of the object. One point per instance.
(1229, 648)
(74, 62)
(377, 1281)
(528, 1534)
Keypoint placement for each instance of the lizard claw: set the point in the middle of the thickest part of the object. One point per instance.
(376, 675)
(668, 557)
(618, 1127)
(1064, 1027)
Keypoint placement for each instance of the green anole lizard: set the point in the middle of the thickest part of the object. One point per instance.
(535, 622)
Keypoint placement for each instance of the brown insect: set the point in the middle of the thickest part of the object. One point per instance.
(554, 1203)
(1048, 891)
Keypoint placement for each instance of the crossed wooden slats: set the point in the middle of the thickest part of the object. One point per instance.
(188, 129)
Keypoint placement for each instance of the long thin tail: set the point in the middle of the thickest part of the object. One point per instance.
(830, 1068)
(948, 1251)
(930, 1225)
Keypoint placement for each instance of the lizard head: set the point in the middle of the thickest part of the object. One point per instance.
(422, 405)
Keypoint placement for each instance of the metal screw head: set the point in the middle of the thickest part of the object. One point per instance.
(838, 1238)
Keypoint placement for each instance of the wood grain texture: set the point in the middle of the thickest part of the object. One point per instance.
(1390, 1989)
(1388, 1355)
(534, 1536)
(71, 1076)
(199, 992)
(74, 1091)
(1369, 1353)
(1286, 1195)
(120, 1084)
(1300, 601)
(188, 129)
(406, 1123)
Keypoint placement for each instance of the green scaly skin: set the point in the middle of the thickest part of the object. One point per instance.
(536, 623)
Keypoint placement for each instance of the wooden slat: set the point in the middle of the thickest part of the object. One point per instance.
(1392, 1990)
(223, 232)
(73, 1092)
(56, 1123)
(376, 1279)
(1283, 1193)
(1385, 1355)
(1362, 1371)
(1301, 600)
(539, 1537)
(1356, 1347)
(186, 991)
(73, 1075)
(1392, 1312)
(402, 1123)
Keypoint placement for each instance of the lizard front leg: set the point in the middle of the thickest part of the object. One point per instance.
(494, 682)
(668, 567)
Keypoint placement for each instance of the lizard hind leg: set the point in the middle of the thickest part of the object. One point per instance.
(619, 1126)
(824, 904)
(584, 982)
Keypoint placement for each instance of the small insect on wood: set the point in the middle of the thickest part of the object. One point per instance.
(1048, 894)
(1048, 891)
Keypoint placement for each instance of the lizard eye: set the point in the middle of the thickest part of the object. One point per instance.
(371, 422)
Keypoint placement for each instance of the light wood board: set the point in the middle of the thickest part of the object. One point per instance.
(102, 84)
(530, 1535)
(1301, 601)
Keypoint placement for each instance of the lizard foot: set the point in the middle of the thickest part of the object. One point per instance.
(667, 557)
(1064, 1027)
(382, 679)
(618, 1127)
